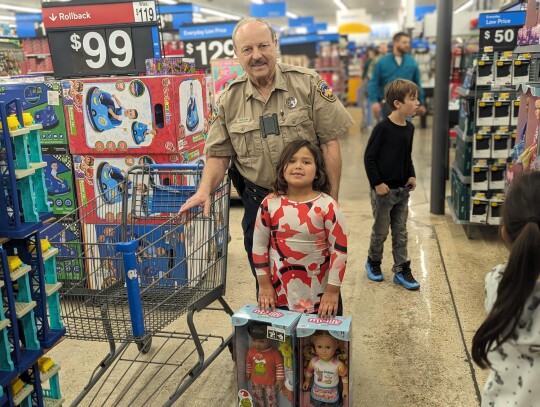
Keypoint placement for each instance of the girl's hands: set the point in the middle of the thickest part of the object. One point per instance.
(267, 294)
(329, 302)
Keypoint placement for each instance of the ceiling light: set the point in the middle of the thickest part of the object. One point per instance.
(341, 6)
(464, 6)
(218, 13)
(291, 15)
(7, 18)
(258, 1)
(169, 2)
(17, 8)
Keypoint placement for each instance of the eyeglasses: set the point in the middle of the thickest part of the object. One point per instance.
(246, 51)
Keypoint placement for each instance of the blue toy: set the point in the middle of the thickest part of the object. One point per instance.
(110, 181)
(98, 113)
(47, 117)
(138, 130)
(192, 120)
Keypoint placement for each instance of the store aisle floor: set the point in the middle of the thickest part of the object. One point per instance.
(410, 349)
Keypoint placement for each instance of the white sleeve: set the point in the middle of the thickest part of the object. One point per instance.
(492, 284)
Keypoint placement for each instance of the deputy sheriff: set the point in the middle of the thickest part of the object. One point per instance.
(263, 110)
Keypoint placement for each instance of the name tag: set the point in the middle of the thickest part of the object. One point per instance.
(243, 119)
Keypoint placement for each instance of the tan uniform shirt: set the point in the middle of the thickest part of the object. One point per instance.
(305, 108)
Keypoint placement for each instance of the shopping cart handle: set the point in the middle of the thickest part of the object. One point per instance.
(177, 166)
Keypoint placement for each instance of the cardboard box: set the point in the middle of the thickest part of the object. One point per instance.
(278, 326)
(500, 144)
(520, 69)
(479, 208)
(495, 209)
(335, 332)
(484, 71)
(482, 145)
(44, 101)
(149, 115)
(503, 69)
(461, 197)
(59, 179)
(170, 66)
(497, 172)
(480, 170)
(464, 156)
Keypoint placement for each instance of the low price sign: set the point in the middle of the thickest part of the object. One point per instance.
(206, 42)
(99, 38)
(499, 30)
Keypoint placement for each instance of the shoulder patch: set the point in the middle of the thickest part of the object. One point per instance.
(326, 91)
(214, 114)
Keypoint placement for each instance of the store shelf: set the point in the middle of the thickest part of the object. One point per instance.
(454, 216)
(20, 396)
(468, 93)
(38, 55)
(49, 253)
(50, 289)
(23, 308)
(19, 272)
(462, 135)
(49, 373)
(464, 179)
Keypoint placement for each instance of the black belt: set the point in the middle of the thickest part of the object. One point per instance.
(255, 190)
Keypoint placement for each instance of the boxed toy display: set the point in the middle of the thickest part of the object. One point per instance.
(170, 66)
(59, 179)
(324, 346)
(44, 101)
(134, 115)
(266, 356)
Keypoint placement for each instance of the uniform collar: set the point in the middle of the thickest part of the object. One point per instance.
(279, 82)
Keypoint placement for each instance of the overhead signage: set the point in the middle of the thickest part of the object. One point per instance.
(321, 26)
(101, 38)
(29, 25)
(301, 21)
(265, 10)
(206, 31)
(300, 39)
(172, 17)
(509, 19)
(499, 30)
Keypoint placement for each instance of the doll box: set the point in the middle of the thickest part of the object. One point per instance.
(278, 330)
(327, 373)
(132, 115)
(44, 101)
(170, 66)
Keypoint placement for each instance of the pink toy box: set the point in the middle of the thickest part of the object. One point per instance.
(265, 346)
(324, 377)
(134, 115)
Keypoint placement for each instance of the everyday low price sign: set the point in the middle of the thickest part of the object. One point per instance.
(101, 38)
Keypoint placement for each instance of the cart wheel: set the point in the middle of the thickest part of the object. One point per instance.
(144, 345)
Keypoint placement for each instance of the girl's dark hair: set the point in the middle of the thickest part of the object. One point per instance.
(321, 182)
(521, 221)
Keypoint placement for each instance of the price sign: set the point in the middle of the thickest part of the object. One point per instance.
(102, 39)
(208, 50)
(501, 39)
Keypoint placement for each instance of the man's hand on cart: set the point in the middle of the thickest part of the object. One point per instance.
(199, 199)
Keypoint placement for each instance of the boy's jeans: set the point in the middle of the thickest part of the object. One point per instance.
(390, 210)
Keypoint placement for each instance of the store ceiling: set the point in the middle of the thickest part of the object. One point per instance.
(322, 10)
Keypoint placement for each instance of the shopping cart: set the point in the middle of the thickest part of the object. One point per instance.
(142, 266)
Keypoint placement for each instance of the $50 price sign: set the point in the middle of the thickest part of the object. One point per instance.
(96, 49)
(207, 50)
(501, 39)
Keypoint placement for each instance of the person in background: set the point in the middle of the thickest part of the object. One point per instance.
(396, 64)
(371, 60)
(262, 111)
(382, 49)
(508, 341)
(300, 242)
(391, 175)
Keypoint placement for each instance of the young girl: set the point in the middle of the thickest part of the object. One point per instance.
(326, 369)
(508, 342)
(299, 243)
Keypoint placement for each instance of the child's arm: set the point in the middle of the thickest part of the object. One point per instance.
(344, 374)
(113, 114)
(116, 100)
(261, 258)
(371, 158)
(308, 374)
(337, 246)
(280, 370)
(410, 167)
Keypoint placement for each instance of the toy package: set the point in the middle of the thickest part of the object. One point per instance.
(44, 101)
(266, 357)
(224, 71)
(135, 115)
(170, 66)
(59, 179)
(324, 347)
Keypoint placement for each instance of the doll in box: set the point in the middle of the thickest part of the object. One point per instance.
(264, 367)
(327, 367)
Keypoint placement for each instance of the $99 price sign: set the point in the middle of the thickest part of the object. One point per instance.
(102, 50)
(207, 50)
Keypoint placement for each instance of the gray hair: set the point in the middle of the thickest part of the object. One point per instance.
(244, 20)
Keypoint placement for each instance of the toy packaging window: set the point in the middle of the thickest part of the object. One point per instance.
(324, 346)
(266, 357)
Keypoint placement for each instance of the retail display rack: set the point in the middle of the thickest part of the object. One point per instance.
(486, 135)
(30, 315)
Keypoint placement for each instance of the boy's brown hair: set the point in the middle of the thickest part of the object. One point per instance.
(399, 90)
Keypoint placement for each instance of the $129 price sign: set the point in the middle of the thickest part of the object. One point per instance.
(102, 49)
(206, 50)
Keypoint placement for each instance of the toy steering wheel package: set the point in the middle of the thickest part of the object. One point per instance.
(265, 349)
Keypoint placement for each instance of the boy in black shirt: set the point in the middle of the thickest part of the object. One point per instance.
(390, 171)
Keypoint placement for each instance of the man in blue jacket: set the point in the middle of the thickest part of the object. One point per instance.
(396, 64)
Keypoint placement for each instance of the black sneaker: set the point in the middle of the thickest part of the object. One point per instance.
(405, 278)
(374, 271)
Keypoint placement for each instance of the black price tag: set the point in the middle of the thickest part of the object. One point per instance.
(206, 50)
(501, 39)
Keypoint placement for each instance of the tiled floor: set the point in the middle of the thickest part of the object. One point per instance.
(410, 349)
